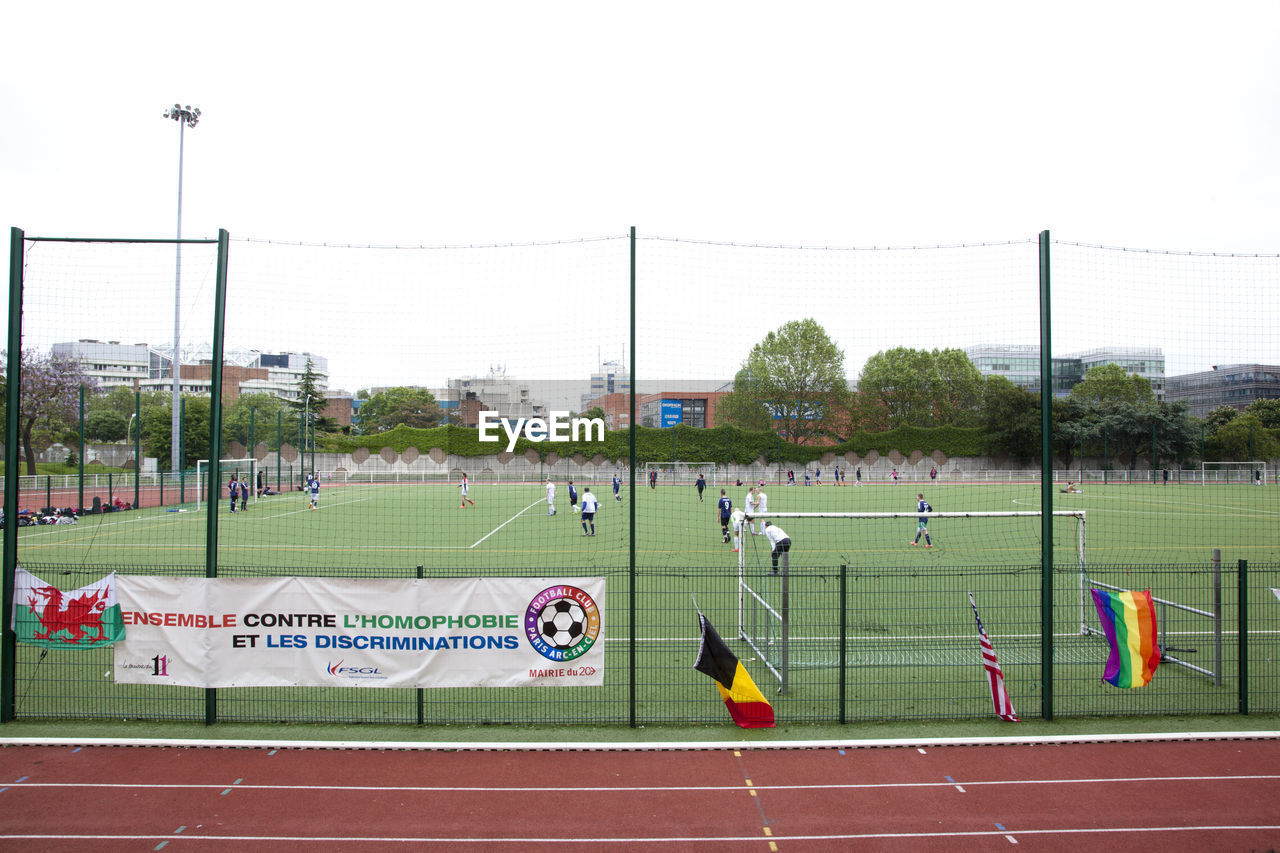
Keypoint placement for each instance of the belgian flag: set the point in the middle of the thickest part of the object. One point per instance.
(745, 702)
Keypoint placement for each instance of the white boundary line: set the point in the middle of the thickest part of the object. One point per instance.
(596, 746)
(686, 841)
(596, 789)
(505, 523)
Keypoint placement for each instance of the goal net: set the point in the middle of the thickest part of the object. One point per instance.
(680, 473)
(245, 470)
(784, 629)
(1233, 473)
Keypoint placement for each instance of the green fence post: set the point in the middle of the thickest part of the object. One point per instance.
(1046, 486)
(631, 506)
(422, 715)
(182, 464)
(8, 640)
(80, 467)
(1242, 628)
(215, 438)
(844, 641)
(137, 449)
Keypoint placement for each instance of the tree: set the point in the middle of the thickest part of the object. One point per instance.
(311, 397)
(105, 425)
(1219, 418)
(741, 408)
(594, 412)
(263, 407)
(1243, 439)
(157, 432)
(797, 374)
(1010, 418)
(1267, 412)
(1111, 383)
(957, 394)
(49, 401)
(923, 387)
(413, 407)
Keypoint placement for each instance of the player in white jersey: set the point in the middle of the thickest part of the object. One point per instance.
(589, 507)
(762, 505)
(551, 497)
(780, 545)
(753, 507)
(738, 519)
(464, 486)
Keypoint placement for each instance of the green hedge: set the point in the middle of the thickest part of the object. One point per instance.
(721, 445)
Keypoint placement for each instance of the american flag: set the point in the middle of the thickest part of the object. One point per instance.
(995, 678)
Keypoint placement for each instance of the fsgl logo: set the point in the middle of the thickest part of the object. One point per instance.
(559, 427)
(337, 670)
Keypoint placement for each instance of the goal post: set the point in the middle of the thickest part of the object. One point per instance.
(1252, 472)
(825, 539)
(680, 473)
(244, 469)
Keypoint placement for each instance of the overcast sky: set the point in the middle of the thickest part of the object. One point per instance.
(1154, 125)
(1146, 125)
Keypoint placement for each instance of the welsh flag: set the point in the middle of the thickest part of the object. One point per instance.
(45, 616)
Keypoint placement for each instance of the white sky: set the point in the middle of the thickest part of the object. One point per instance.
(1145, 125)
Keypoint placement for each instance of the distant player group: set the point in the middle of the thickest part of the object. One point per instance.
(740, 521)
(590, 506)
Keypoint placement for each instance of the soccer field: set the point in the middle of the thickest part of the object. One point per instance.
(394, 529)
(909, 650)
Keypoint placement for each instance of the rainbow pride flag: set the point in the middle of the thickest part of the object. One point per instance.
(1129, 621)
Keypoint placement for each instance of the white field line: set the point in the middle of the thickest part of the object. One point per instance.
(505, 523)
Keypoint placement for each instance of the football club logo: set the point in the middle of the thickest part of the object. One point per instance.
(562, 623)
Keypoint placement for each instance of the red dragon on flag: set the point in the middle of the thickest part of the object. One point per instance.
(47, 616)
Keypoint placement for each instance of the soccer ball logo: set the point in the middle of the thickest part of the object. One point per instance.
(562, 624)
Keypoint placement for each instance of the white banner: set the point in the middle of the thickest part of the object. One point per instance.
(336, 632)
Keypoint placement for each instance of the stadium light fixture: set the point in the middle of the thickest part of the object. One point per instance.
(187, 116)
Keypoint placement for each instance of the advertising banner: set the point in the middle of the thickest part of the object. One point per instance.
(335, 632)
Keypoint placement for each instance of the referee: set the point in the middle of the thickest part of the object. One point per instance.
(779, 544)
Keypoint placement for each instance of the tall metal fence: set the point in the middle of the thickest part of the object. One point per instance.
(875, 627)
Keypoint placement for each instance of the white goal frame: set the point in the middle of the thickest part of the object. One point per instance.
(1247, 467)
(678, 472)
(780, 664)
(225, 466)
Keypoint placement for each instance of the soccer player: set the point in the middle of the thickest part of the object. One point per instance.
(551, 497)
(762, 505)
(233, 489)
(573, 497)
(700, 485)
(617, 487)
(725, 506)
(653, 479)
(315, 491)
(589, 507)
(465, 487)
(922, 523)
(739, 519)
(779, 545)
(857, 476)
(753, 506)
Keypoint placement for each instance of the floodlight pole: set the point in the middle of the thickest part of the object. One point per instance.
(187, 116)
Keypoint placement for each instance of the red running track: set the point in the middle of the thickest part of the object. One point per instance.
(1158, 796)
